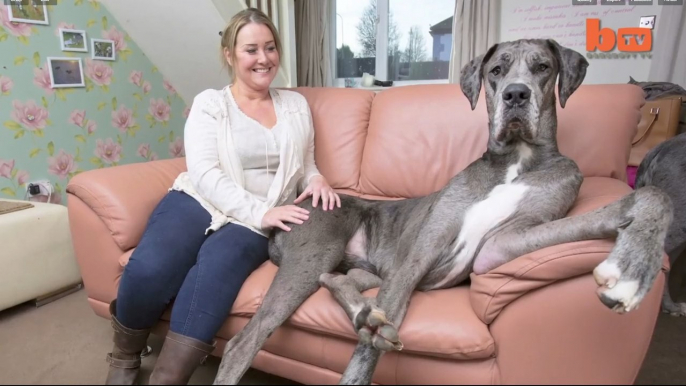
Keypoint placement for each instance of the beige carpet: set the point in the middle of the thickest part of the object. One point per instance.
(65, 343)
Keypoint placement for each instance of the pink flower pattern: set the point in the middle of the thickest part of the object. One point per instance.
(41, 78)
(159, 109)
(176, 148)
(6, 168)
(117, 36)
(77, 117)
(144, 150)
(6, 84)
(22, 177)
(109, 151)
(91, 126)
(62, 164)
(32, 116)
(136, 77)
(16, 29)
(99, 72)
(168, 86)
(122, 118)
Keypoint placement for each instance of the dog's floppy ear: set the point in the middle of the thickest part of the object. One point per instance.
(572, 70)
(470, 76)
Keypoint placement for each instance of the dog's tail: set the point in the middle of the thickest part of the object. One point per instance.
(352, 262)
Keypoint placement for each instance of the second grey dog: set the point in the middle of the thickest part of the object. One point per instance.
(511, 201)
(664, 166)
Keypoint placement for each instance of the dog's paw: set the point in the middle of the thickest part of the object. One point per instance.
(374, 328)
(618, 295)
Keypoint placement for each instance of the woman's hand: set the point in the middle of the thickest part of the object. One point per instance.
(317, 188)
(275, 217)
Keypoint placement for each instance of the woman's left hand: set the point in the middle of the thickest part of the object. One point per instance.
(317, 188)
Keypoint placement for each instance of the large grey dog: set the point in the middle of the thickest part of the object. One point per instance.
(507, 203)
(664, 166)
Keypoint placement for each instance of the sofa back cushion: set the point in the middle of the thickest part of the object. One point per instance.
(340, 117)
(421, 136)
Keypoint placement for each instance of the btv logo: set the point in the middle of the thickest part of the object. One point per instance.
(632, 39)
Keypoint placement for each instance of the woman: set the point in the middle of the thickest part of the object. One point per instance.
(248, 149)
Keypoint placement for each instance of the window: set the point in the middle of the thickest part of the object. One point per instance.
(415, 37)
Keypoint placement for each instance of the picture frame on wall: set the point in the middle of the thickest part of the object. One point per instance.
(28, 12)
(66, 72)
(73, 40)
(103, 49)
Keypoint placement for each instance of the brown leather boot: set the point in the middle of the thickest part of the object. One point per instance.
(179, 358)
(125, 358)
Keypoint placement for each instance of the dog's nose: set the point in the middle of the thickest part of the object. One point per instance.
(516, 94)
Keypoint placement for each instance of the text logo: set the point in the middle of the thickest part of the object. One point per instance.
(631, 39)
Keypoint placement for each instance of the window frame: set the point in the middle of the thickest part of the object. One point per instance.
(381, 62)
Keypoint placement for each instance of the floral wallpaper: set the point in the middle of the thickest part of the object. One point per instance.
(127, 112)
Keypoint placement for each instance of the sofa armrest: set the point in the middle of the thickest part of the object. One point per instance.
(493, 291)
(125, 196)
(562, 334)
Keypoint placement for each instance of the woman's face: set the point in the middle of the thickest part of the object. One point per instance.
(257, 59)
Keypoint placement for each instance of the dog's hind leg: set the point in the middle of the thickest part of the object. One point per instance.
(639, 221)
(295, 281)
(369, 322)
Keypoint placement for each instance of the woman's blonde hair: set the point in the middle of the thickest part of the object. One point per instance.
(240, 20)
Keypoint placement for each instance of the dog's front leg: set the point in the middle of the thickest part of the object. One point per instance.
(639, 221)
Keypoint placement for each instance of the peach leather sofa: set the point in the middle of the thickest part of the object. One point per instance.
(534, 320)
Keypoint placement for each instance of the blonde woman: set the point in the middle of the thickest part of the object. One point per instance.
(249, 149)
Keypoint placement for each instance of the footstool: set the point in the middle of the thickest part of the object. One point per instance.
(36, 254)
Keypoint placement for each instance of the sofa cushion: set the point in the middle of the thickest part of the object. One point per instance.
(415, 145)
(340, 117)
(438, 323)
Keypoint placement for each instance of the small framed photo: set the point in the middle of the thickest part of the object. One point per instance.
(27, 12)
(103, 49)
(647, 22)
(66, 72)
(73, 40)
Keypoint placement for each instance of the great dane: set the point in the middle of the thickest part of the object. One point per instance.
(511, 201)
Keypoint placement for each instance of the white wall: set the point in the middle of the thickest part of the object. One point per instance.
(566, 23)
(182, 39)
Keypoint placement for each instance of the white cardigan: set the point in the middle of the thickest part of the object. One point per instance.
(215, 174)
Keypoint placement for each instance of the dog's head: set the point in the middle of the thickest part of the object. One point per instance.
(520, 78)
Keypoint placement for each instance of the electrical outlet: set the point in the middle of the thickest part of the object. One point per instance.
(45, 188)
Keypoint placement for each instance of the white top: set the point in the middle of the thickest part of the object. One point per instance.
(218, 142)
(257, 147)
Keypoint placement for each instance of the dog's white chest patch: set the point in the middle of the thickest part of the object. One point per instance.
(500, 203)
(513, 171)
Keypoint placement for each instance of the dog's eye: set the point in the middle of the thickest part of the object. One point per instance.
(542, 67)
(495, 70)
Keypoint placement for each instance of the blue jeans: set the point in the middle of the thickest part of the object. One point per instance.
(175, 259)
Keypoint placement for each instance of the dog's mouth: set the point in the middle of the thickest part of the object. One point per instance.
(515, 126)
